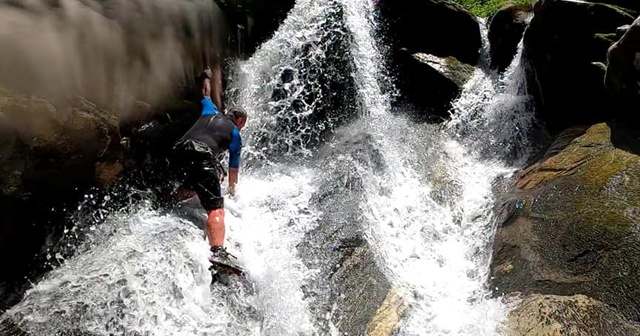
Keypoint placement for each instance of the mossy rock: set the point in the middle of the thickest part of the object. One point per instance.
(454, 70)
(570, 226)
(542, 315)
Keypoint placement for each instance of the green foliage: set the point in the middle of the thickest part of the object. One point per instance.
(486, 8)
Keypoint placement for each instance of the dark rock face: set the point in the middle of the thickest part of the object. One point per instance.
(565, 60)
(434, 27)
(506, 28)
(539, 315)
(570, 226)
(50, 155)
(258, 19)
(429, 83)
(622, 79)
(631, 4)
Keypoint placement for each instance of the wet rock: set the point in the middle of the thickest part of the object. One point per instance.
(622, 78)
(111, 52)
(256, 20)
(539, 315)
(9, 328)
(429, 83)
(620, 31)
(506, 28)
(630, 4)
(50, 154)
(570, 225)
(434, 27)
(564, 60)
(457, 72)
(349, 289)
(387, 318)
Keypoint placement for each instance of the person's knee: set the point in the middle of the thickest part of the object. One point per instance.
(213, 203)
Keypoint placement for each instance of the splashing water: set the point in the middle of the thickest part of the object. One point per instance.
(493, 115)
(275, 217)
(148, 273)
(291, 84)
(149, 277)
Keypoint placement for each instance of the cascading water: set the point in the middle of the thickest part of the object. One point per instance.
(291, 84)
(430, 211)
(423, 200)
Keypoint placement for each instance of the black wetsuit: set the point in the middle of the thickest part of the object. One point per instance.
(195, 155)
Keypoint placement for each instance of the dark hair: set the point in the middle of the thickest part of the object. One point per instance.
(236, 112)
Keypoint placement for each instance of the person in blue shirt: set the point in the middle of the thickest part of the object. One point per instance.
(195, 159)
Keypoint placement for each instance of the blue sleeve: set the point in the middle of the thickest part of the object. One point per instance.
(235, 148)
(208, 107)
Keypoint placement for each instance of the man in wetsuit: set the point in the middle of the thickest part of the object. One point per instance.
(195, 159)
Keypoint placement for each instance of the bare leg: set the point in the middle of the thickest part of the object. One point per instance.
(215, 227)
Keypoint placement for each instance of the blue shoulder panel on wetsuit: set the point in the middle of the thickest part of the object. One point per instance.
(235, 148)
(208, 107)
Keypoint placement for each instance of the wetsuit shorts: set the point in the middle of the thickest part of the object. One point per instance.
(195, 165)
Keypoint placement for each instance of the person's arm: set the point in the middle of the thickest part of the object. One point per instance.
(206, 88)
(235, 149)
(216, 86)
(206, 85)
(208, 107)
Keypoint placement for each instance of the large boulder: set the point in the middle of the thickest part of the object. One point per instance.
(541, 315)
(50, 154)
(506, 28)
(565, 60)
(429, 84)
(434, 27)
(114, 53)
(571, 224)
(622, 79)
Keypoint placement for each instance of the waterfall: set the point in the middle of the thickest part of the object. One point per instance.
(430, 210)
(321, 149)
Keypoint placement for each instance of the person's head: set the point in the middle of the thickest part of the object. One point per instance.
(238, 115)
